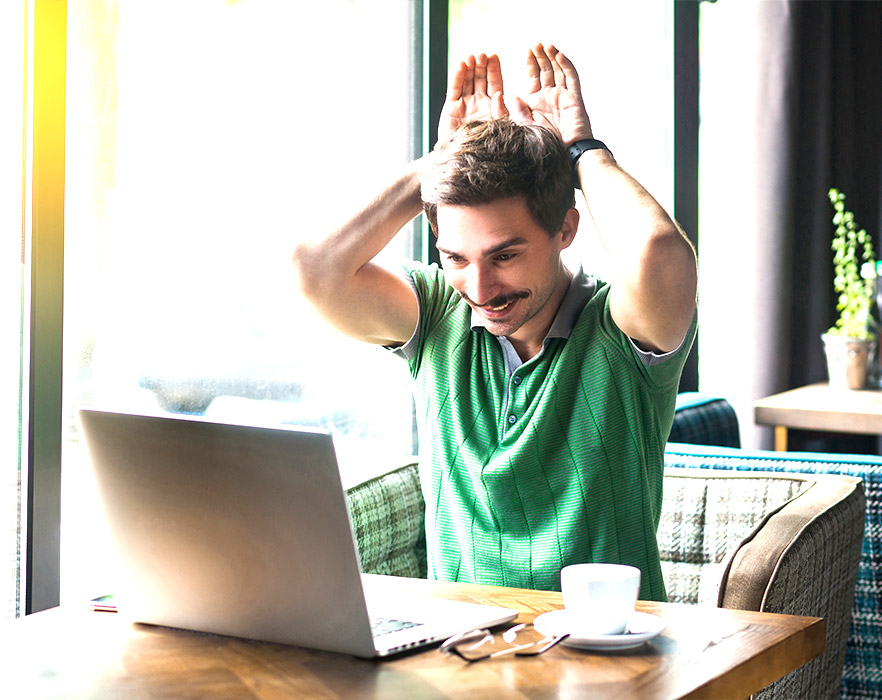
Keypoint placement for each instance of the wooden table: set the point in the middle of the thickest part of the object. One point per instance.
(704, 652)
(818, 407)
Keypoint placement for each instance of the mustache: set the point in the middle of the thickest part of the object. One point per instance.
(500, 300)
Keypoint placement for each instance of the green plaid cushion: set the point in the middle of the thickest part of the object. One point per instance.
(387, 515)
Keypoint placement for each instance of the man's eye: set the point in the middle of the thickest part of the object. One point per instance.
(503, 257)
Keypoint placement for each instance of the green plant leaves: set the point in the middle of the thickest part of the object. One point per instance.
(854, 262)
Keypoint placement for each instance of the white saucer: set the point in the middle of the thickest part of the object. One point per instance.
(641, 628)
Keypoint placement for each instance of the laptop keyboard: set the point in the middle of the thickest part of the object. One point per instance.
(385, 625)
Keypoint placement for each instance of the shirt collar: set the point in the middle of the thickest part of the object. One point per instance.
(581, 289)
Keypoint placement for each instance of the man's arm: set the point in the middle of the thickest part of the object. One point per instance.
(337, 276)
(336, 272)
(652, 297)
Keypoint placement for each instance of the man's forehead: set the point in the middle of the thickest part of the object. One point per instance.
(485, 228)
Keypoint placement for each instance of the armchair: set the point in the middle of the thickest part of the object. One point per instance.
(861, 677)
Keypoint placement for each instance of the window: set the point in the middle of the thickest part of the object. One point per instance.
(202, 139)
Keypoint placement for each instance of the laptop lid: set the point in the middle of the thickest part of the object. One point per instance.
(244, 531)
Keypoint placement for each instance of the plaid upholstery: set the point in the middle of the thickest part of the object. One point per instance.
(784, 543)
(821, 565)
(704, 420)
(862, 675)
(703, 520)
(387, 515)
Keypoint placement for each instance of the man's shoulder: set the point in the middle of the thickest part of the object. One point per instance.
(437, 298)
(420, 270)
(594, 309)
(444, 316)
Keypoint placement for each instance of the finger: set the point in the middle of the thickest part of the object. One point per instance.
(454, 88)
(481, 75)
(546, 71)
(569, 70)
(498, 110)
(494, 75)
(533, 84)
(560, 78)
(468, 79)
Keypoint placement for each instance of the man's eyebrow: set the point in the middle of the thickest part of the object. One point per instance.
(508, 243)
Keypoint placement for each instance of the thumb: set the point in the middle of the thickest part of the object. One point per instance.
(520, 111)
(498, 110)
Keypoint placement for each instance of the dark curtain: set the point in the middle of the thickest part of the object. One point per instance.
(807, 97)
(836, 132)
(835, 120)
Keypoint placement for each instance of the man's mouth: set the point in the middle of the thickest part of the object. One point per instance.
(498, 306)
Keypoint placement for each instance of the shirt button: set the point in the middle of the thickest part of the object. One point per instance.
(512, 419)
(516, 380)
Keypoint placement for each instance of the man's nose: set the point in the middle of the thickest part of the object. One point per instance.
(480, 285)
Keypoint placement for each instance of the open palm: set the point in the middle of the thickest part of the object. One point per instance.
(555, 98)
(475, 93)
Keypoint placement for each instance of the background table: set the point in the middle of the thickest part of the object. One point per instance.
(818, 407)
(704, 652)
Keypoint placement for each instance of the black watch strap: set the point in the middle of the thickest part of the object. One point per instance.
(577, 149)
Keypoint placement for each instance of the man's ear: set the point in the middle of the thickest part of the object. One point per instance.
(569, 228)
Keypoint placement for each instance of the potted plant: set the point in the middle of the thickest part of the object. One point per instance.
(850, 342)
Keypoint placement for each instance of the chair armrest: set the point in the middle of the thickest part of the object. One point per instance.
(803, 560)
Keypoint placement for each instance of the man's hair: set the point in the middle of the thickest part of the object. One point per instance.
(484, 161)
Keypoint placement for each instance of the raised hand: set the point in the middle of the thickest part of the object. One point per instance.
(555, 96)
(474, 93)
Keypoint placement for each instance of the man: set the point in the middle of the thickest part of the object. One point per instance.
(544, 397)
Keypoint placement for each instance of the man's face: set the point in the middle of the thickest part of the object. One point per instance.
(504, 265)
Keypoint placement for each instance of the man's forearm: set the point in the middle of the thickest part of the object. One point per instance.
(360, 238)
(337, 275)
(624, 213)
(656, 278)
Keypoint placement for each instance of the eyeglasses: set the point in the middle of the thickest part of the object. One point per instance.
(477, 645)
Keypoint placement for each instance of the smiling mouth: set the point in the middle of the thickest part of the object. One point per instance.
(498, 305)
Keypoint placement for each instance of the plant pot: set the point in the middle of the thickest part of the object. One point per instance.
(847, 360)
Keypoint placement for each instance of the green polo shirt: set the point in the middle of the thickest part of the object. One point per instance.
(529, 467)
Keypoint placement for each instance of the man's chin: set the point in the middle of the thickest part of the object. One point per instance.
(502, 327)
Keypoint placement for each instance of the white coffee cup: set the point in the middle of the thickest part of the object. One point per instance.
(599, 598)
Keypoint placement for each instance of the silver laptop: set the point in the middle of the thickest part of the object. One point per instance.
(244, 531)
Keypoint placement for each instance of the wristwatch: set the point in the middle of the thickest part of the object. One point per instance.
(577, 149)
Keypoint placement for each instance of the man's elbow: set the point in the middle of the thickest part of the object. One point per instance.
(307, 264)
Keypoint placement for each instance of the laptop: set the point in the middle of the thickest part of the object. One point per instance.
(244, 531)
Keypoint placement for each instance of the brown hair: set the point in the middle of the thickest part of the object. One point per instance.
(488, 160)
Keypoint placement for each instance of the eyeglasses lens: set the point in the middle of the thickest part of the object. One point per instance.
(520, 640)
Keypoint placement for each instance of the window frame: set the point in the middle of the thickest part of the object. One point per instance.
(43, 412)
